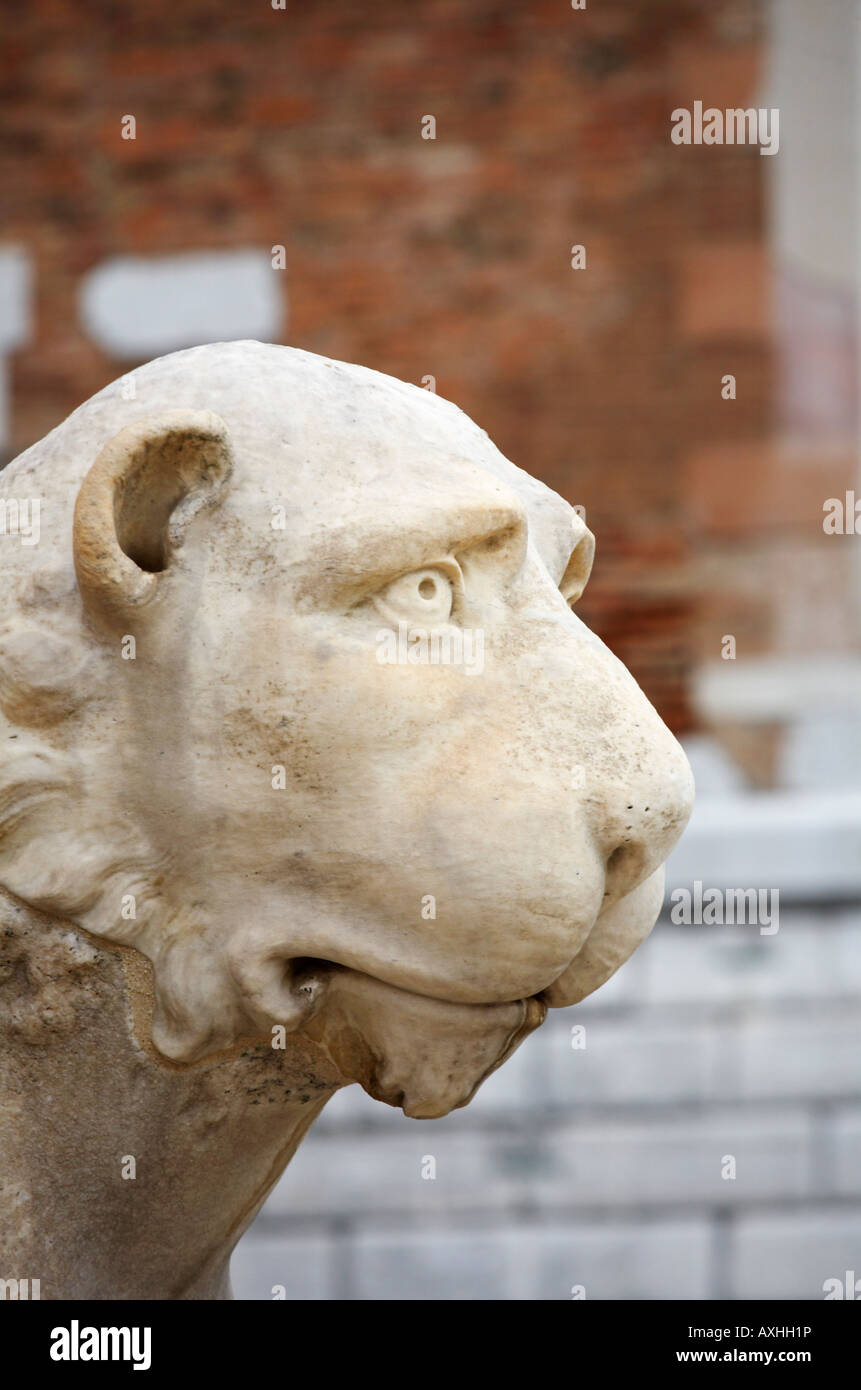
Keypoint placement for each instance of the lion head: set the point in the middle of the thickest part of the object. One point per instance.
(293, 700)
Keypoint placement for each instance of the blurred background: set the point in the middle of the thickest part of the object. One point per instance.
(403, 186)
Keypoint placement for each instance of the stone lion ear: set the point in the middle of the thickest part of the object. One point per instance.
(138, 497)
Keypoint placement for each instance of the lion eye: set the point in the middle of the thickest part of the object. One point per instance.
(423, 597)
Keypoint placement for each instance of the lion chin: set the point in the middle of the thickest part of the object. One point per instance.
(425, 1056)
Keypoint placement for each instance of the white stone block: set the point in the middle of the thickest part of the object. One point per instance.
(302, 1265)
(138, 306)
(619, 1260)
(790, 1254)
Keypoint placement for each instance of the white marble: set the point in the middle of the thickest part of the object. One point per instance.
(249, 850)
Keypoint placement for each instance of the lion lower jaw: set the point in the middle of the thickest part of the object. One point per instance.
(427, 1056)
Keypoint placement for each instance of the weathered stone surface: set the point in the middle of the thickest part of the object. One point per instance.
(309, 775)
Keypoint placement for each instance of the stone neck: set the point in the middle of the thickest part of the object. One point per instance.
(123, 1175)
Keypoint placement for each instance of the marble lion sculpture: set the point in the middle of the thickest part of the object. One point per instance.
(249, 852)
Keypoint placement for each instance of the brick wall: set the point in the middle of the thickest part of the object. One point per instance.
(448, 257)
(602, 1165)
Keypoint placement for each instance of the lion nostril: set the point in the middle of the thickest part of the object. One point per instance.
(615, 859)
(626, 867)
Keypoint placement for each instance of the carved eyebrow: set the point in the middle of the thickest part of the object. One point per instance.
(360, 556)
(579, 567)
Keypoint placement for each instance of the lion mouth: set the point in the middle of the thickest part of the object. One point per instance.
(617, 932)
(427, 1056)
